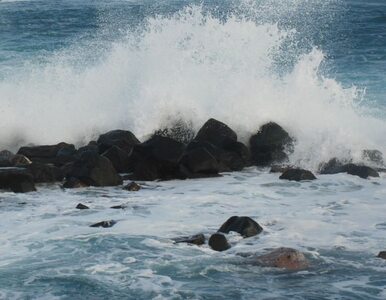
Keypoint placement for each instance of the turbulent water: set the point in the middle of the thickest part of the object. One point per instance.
(70, 70)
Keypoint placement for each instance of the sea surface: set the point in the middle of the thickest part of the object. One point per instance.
(70, 70)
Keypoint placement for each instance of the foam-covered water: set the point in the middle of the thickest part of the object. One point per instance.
(72, 69)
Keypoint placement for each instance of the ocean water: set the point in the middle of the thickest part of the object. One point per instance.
(70, 70)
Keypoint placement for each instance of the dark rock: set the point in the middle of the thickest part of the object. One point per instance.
(198, 239)
(297, 175)
(178, 130)
(20, 160)
(200, 161)
(242, 225)
(120, 138)
(119, 158)
(45, 172)
(373, 156)
(218, 242)
(132, 187)
(280, 168)
(55, 154)
(216, 133)
(18, 180)
(88, 148)
(82, 206)
(121, 206)
(270, 145)
(74, 183)
(361, 171)
(241, 150)
(382, 254)
(95, 170)
(333, 166)
(104, 224)
(285, 258)
(5, 158)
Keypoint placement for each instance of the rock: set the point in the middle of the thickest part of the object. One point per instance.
(242, 225)
(333, 166)
(241, 150)
(74, 183)
(270, 144)
(280, 168)
(5, 158)
(119, 158)
(361, 171)
(95, 170)
(216, 133)
(218, 242)
(18, 180)
(104, 224)
(132, 187)
(297, 175)
(120, 138)
(373, 156)
(199, 161)
(158, 158)
(45, 172)
(20, 160)
(382, 254)
(91, 147)
(285, 258)
(178, 130)
(198, 239)
(82, 206)
(121, 206)
(55, 154)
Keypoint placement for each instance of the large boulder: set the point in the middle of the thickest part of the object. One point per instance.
(382, 254)
(6, 158)
(119, 158)
(58, 154)
(270, 145)
(297, 175)
(216, 133)
(333, 166)
(157, 158)
(218, 242)
(285, 258)
(245, 226)
(197, 239)
(18, 180)
(361, 171)
(95, 170)
(199, 161)
(123, 139)
(45, 172)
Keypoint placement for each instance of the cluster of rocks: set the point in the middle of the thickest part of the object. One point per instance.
(174, 153)
(286, 258)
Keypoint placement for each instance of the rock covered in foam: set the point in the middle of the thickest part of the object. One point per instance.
(297, 175)
(373, 156)
(245, 226)
(270, 145)
(178, 130)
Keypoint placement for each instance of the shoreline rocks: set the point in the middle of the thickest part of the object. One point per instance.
(18, 180)
(297, 175)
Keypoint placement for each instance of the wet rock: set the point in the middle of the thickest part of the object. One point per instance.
(94, 170)
(104, 224)
(200, 161)
(241, 150)
(285, 258)
(74, 183)
(121, 206)
(333, 166)
(280, 168)
(119, 158)
(270, 145)
(382, 254)
(198, 239)
(91, 147)
(373, 156)
(55, 154)
(18, 180)
(178, 130)
(120, 138)
(245, 226)
(82, 206)
(5, 158)
(297, 175)
(361, 171)
(218, 242)
(132, 187)
(216, 133)
(45, 172)
(19, 160)
(158, 158)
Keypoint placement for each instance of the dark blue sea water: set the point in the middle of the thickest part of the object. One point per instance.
(72, 69)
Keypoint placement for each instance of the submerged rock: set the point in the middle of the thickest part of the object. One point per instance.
(18, 180)
(270, 144)
(104, 224)
(82, 206)
(245, 226)
(216, 133)
(198, 239)
(123, 139)
(297, 175)
(74, 183)
(132, 187)
(95, 170)
(285, 258)
(218, 242)
(382, 254)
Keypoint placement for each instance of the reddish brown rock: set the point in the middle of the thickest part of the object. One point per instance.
(285, 258)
